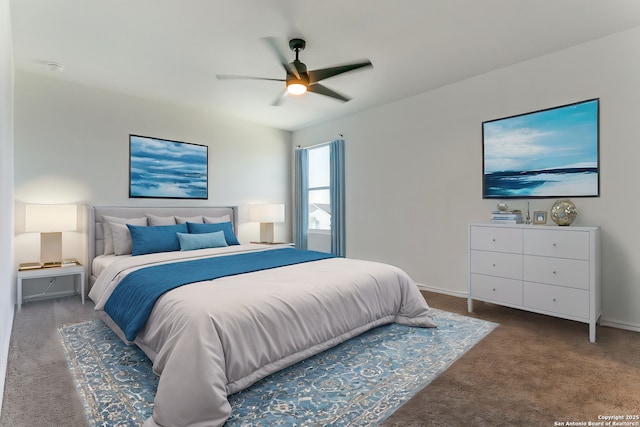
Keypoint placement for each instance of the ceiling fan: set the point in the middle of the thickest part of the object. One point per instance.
(298, 80)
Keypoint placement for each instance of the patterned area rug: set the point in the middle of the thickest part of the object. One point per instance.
(357, 383)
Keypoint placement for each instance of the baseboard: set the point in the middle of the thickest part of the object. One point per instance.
(5, 339)
(603, 321)
(619, 325)
(442, 291)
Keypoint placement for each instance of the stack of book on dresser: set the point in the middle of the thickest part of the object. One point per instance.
(506, 217)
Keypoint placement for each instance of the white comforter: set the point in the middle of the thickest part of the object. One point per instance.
(214, 338)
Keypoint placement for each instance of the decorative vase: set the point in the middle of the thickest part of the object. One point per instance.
(563, 212)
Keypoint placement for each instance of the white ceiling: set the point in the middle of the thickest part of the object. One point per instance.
(171, 50)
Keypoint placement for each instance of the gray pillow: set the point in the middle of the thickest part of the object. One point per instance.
(108, 235)
(216, 219)
(160, 220)
(122, 244)
(182, 220)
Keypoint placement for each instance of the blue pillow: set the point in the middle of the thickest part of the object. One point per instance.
(152, 239)
(189, 242)
(226, 227)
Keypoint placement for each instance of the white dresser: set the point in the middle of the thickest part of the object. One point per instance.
(545, 269)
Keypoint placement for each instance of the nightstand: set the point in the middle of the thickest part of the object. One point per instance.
(50, 272)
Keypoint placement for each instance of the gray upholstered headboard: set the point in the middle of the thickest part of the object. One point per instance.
(96, 235)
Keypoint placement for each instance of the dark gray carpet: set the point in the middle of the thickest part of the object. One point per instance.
(39, 390)
(532, 370)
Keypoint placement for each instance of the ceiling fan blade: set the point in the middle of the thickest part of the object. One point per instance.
(279, 99)
(232, 77)
(271, 42)
(317, 75)
(323, 90)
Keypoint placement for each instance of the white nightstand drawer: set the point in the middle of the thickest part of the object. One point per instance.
(554, 243)
(557, 299)
(573, 273)
(498, 239)
(497, 289)
(496, 264)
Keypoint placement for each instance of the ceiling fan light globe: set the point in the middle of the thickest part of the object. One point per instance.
(296, 88)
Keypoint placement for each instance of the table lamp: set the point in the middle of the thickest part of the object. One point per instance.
(50, 221)
(266, 215)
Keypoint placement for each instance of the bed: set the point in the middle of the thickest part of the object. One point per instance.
(216, 318)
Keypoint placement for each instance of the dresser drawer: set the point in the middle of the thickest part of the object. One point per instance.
(496, 239)
(573, 273)
(554, 243)
(496, 264)
(557, 299)
(496, 289)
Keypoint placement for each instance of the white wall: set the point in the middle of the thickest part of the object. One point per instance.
(7, 276)
(72, 146)
(414, 167)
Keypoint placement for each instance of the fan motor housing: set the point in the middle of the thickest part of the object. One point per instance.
(303, 80)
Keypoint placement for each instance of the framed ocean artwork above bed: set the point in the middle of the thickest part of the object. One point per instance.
(548, 153)
(161, 168)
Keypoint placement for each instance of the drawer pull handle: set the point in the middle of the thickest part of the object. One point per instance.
(493, 240)
(494, 265)
(554, 300)
(494, 289)
(554, 245)
(554, 272)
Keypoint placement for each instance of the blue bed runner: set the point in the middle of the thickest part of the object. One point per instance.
(132, 300)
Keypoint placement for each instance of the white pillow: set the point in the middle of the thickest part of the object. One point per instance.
(182, 220)
(216, 219)
(106, 228)
(160, 220)
(122, 244)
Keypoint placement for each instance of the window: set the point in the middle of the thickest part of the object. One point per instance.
(319, 188)
(320, 197)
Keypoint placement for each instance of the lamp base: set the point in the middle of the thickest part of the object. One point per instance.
(266, 232)
(51, 249)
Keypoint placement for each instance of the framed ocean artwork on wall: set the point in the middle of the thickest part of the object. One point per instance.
(161, 168)
(550, 153)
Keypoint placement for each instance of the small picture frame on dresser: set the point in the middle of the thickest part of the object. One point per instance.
(540, 217)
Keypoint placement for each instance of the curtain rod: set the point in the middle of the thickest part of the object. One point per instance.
(318, 145)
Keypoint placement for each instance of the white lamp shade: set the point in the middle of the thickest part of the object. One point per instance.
(51, 218)
(266, 213)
